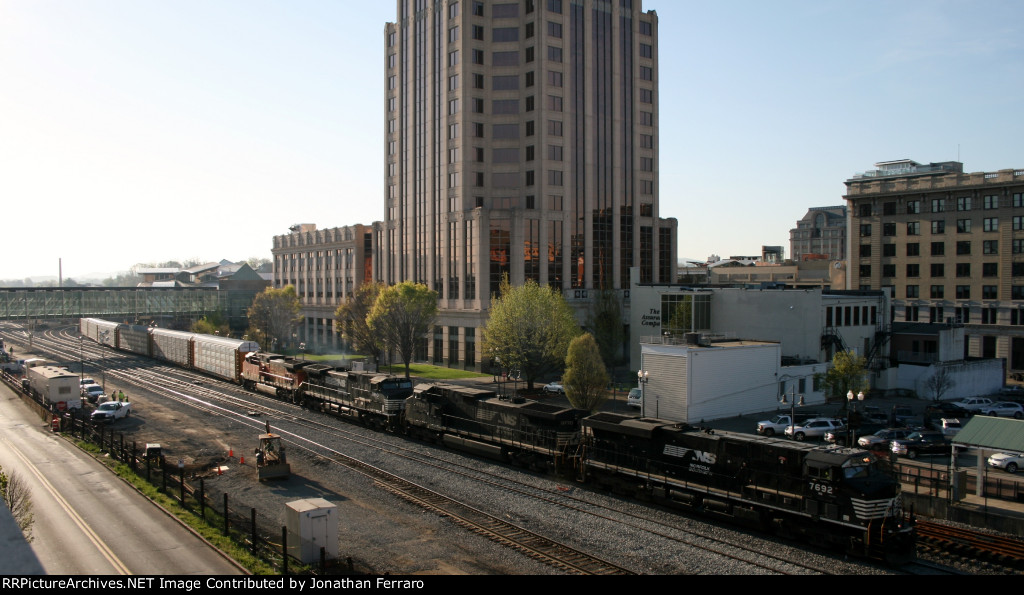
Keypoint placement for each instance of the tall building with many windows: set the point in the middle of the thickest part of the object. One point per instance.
(948, 245)
(521, 141)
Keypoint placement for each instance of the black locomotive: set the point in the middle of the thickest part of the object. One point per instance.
(829, 495)
(521, 431)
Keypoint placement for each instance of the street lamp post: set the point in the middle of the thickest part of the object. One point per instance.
(643, 377)
(851, 435)
(792, 408)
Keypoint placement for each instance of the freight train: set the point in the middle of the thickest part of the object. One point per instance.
(829, 495)
(217, 356)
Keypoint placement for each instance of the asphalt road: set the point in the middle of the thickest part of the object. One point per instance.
(87, 521)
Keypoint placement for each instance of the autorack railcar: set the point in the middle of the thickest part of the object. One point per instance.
(831, 496)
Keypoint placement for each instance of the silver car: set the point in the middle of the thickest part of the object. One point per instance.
(1008, 462)
(1004, 409)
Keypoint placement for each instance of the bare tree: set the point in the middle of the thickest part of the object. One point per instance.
(16, 496)
(273, 315)
(940, 382)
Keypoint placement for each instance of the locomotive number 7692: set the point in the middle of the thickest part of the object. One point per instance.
(820, 488)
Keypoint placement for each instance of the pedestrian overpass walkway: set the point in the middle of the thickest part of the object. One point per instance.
(114, 303)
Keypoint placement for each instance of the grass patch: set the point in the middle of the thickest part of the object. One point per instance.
(209, 528)
(429, 372)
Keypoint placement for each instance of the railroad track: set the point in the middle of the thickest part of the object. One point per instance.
(1002, 550)
(542, 549)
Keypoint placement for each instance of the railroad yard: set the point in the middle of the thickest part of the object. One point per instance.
(211, 427)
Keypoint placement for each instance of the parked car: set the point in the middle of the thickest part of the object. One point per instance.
(902, 414)
(950, 427)
(554, 388)
(111, 410)
(92, 392)
(1012, 390)
(635, 398)
(87, 380)
(1005, 409)
(883, 438)
(779, 423)
(1006, 461)
(844, 435)
(974, 404)
(815, 428)
(920, 443)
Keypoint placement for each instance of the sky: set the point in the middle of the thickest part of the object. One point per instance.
(142, 131)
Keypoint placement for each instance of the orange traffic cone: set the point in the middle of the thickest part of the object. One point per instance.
(241, 461)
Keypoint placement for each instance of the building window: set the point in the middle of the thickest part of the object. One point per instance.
(888, 270)
(989, 292)
(889, 250)
(963, 226)
(913, 228)
(864, 210)
(865, 230)
(938, 248)
(914, 249)
(988, 315)
(865, 270)
(963, 203)
(938, 269)
(963, 248)
(939, 227)
(478, 81)
(990, 247)
(913, 270)
(865, 250)
(963, 269)
(990, 202)
(990, 269)
(990, 224)
(938, 205)
(912, 292)
(889, 229)
(938, 292)
(913, 207)
(963, 292)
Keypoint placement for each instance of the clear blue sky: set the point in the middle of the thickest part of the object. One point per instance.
(143, 131)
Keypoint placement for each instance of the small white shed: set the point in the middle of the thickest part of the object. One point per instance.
(312, 523)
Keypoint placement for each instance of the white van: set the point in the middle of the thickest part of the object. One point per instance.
(635, 398)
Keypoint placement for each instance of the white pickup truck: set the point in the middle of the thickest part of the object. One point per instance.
(111, 410)
(779, 423)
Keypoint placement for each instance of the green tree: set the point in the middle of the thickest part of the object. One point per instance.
(605, 323)
(16, 496)
(212, 324)
(586, 378)
(274, 314)
(402, 314)
(529, 330)
(352, 316)
(847, 373)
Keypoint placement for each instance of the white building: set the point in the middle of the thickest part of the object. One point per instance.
(696, 382)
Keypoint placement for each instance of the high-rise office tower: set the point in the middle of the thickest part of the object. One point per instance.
(521, 140)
